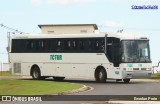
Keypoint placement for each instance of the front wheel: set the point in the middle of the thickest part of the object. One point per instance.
(101, 75)
(126, 80)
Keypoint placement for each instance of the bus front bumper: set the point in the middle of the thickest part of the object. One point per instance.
(127, 74)
(141, 74)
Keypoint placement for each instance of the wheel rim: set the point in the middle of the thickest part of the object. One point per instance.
(100, 75)
(35, 74)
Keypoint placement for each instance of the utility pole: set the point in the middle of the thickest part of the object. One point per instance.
(8, 49)
(13, 31)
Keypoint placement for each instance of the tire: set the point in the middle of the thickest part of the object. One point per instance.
(36, 74)
(101, 75)
(126, 80)
(58, 78)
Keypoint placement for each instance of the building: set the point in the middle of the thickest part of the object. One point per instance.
(67, 28)
(4, 67)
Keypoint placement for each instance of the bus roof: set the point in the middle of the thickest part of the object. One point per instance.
(121, 36)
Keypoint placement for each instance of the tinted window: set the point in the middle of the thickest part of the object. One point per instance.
(58, 45)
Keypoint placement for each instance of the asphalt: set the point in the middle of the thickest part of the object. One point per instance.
(111, 87)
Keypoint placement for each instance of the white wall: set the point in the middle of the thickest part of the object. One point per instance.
(4, 67)
(67, 29)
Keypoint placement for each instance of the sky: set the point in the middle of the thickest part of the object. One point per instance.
(109, 15)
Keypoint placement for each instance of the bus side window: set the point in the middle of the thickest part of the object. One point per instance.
(46, 45)
(66, 44)
(79, 44)
(60, 46)
(69, 47)
(18, 45)
(89, 45)
(40, 45)
(28, 45)
(31, 45)
(53, 45)
(72, 45)
(92, 45)
(86, 44)
(101, 45)
(96, 45)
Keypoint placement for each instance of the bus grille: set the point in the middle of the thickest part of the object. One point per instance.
(17, 67)
(143, 68)
(135, 68)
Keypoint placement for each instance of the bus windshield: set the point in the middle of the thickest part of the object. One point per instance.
(136, 51)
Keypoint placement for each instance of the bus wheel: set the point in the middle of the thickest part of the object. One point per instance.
(36, 74)
(58, 78)
(101, 75)
(126, 80)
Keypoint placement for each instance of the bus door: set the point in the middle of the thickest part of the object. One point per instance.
(112, 50)
(116, 54)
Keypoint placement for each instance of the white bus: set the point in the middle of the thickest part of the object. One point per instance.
(101, 56)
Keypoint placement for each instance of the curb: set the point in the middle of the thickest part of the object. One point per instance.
(145, 80)
(83, 89)
(70, 92)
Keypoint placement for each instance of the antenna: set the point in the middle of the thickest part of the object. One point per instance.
(11, 29)
(120, 31)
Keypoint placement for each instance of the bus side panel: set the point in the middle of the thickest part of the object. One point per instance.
(26, 67)
(84, 70)
(113, 72)
(48, 69)
(75, 70)
(63, 70)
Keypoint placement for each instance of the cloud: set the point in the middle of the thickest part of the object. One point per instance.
(68, 2)
(36, 2)
(111, 23)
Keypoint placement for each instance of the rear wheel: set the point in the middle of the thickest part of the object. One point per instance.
(101, 75)
(58, 78)
(36, 74)
(126, 80)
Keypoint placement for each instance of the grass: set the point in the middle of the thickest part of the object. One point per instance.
(155, 76)
(33, 87)
(6, 73)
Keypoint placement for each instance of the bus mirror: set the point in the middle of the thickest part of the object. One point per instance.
(7, 48)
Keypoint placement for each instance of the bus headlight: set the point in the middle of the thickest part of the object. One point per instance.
(129, 69)
(149, 69)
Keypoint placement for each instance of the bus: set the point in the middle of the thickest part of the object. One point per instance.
(99, 56)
